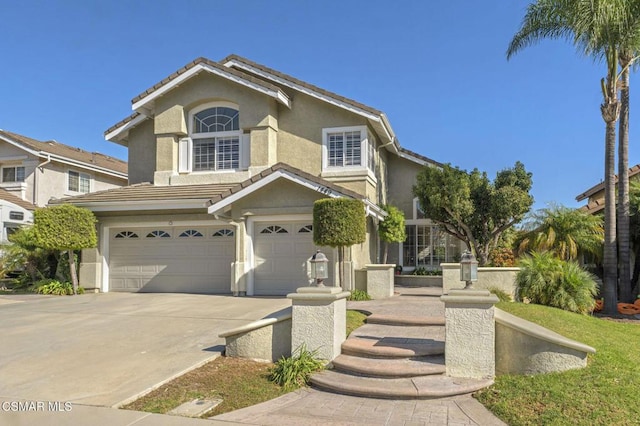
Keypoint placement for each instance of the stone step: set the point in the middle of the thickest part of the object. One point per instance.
(404, 320)
(395, 367)
(391, 347)
(423, 387)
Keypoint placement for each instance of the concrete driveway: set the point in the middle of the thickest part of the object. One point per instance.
(105, 349)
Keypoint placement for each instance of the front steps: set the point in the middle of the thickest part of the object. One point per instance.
(395, 357)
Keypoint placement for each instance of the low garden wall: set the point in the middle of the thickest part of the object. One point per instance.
(523, 347)
(267, 339)
(418, 280)
(488, 278)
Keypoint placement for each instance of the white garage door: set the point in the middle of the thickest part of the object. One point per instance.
(282, 250)
(171, 259)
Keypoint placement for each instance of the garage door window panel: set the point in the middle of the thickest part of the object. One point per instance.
(158, 234)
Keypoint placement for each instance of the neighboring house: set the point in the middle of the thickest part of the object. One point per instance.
(226, 160)
(595, 194)
(32, 172)
(14, 213)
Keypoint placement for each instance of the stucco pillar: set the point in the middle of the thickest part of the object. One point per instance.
(89, 276)
(319, 320)
(470, 333)
(380, 280)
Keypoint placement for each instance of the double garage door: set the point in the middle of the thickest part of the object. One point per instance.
(282, 251)
(198, 259)
(171, 259)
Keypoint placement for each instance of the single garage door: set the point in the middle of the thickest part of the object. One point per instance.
(282, 250)
(171, 259)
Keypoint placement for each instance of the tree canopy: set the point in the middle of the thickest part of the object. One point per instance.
(470, 207)
(391, 229)
(563, 231)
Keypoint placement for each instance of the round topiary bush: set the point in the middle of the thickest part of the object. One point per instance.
(547, 280)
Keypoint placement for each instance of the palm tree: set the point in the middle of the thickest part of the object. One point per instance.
(598, 28)
(565, 232)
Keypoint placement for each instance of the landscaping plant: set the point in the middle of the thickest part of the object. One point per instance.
(546, 280)
(391, 229)
(49, 286)
(359, 295)
(294, 371)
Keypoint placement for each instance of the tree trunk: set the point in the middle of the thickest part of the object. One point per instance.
(72, 267)
(624, 257)
(384, 254)
(610, 110)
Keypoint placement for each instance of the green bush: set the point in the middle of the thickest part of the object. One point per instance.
(421, 270)
(359, 295)
(339, 222)
(547, 280)
(295, 371)
(49, 286)
(502, 295)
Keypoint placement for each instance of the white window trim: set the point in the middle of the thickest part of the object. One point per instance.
(17, 166)
(186, 145)
(80, 176)
(364, 153)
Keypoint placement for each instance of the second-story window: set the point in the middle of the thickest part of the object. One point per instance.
(79, 182)
(13, 174)
(348, 148)
(216, 139)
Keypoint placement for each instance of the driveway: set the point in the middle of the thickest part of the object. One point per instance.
(104, 349)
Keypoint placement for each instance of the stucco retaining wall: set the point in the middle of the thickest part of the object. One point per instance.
(267, 339)
(523, 347)
(488, 277)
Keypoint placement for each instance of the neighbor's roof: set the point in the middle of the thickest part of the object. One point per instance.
(12, 198)
(59, 151)
(600, 187)
(594, 206)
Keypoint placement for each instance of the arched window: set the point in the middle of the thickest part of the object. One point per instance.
(158, 234)
(126, 234)
(190, 233)
(223, 233)
(214, 140)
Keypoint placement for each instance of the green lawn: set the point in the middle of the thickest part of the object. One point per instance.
(607, 392)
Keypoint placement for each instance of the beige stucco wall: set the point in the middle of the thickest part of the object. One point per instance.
(402, 176)
(488, 278)
(142, 153)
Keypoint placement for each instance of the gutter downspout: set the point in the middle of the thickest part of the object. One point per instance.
(35, 178)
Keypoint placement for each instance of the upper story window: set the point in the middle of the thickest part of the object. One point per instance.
(348, 147)
(13, 174)
(214, 142)
(79, 182)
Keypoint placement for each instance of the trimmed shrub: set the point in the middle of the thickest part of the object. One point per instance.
(295, 371)
(501, 257)
(391, 229)
(547, 280)
(339, 222)
(421, 270)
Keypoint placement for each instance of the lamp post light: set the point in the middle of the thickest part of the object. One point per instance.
(319, 268)
(468, 269)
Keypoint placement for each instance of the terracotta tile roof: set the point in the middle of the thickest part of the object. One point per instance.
(420, 157)
(288, 168)
(122, 122)
(12, 198)
(149, 192)
(301, 83)
(593, 207)
(600, 187)
(94, 159)
(205, 192)
(210, 63)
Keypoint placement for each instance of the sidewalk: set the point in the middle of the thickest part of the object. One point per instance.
(305, 406)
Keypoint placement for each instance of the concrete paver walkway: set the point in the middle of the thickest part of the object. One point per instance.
(305, 406)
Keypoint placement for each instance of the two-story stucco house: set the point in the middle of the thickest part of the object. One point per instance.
(226, 160)
(32, 172)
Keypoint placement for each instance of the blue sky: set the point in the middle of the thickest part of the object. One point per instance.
(437, 69)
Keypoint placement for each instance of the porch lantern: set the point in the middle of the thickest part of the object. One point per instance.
(468, 269)
(319, 268)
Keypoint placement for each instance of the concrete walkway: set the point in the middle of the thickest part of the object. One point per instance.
(303, 407)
